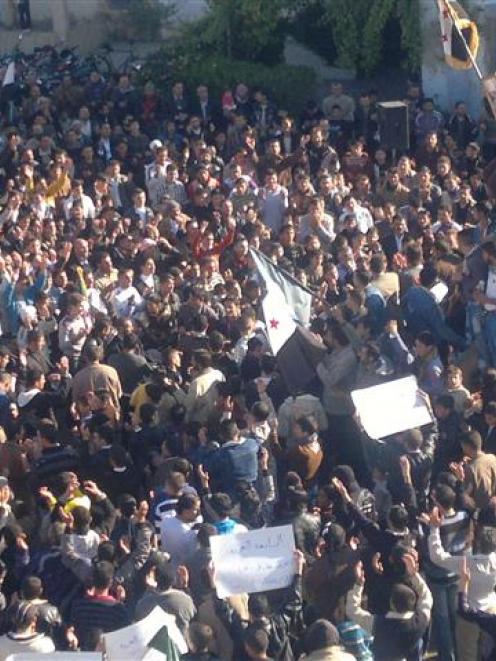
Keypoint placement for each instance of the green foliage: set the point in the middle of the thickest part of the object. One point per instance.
(308, 25)
(145, 18)
(289, 85)
(358, 29)
(250, 30)
(340, 17)
(380, 12)
(409, 17)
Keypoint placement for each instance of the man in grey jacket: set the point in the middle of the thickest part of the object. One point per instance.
(337, 372)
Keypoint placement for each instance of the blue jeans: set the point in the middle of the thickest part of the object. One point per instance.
(489, 326)
(444, 619)
(474, 329)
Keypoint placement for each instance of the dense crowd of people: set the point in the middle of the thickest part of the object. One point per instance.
(142, 411)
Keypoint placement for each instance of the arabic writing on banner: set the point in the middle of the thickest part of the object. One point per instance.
(253, 561)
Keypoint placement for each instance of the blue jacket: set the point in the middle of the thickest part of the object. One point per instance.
(376, 309)
(422, 313)
(12, 303)
(233, 462)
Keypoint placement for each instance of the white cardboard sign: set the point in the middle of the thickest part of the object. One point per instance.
(253, 561)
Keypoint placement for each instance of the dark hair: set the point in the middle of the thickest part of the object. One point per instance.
(130, 341)
(200, 636)
(205, 531)
(446, 401)
(164, 572)
(428, 276)
(31, 587)
(254, 343)
(221, 503)
(445, 496)
(127, 504)
(398, 517)
(490, 408)
(426, 338)
(334, 538)
(472, 439)
(202, 358)
(489, 247)
(23, 615)
(103, 575)
(186, 502)
(377, 263)
(403, 598)
(338, 333)
(307, 424)
(258, 605)
(260, 411)
(48, 431)
(93, 350)
(147, 411)
(228, 430)
(256, 639)
(32, 376)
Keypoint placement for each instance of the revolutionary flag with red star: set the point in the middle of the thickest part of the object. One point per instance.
(279, 321)
(454, 19)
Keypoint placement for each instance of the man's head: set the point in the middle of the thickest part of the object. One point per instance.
(471, 443)
(444, 406)
(256, 642)
(188, 507)
(103, 575)
(490, 414)
(200, 637)
(47, 433)
(403, 599)
(489, 252)
(424, 344)
(320, 635)
(222, 504)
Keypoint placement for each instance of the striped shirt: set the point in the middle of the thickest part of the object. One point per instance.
(97, 612)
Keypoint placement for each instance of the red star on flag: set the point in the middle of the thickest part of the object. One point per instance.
(445, 13)
(274, 323)
(445, 38)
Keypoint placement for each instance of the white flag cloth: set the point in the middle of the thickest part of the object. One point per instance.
(453, 20)
(9, 78)
(298, 300)
(279, 320)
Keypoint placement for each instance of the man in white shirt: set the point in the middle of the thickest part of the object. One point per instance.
(126, 299)
(273, 202)
(77, 195)
(177, 536)
(362, 215)
(202, 394)
(159, 166)
(316, 221)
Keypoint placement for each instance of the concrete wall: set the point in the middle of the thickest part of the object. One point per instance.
(447, 85)
(81, 22)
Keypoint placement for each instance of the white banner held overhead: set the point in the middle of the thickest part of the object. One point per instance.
(391, 407)
(253, 561)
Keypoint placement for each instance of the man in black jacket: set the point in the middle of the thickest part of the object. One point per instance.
(397, 634)
(54, 459)
(279, 624)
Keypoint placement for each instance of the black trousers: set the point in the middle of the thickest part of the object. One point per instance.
(24, 14)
